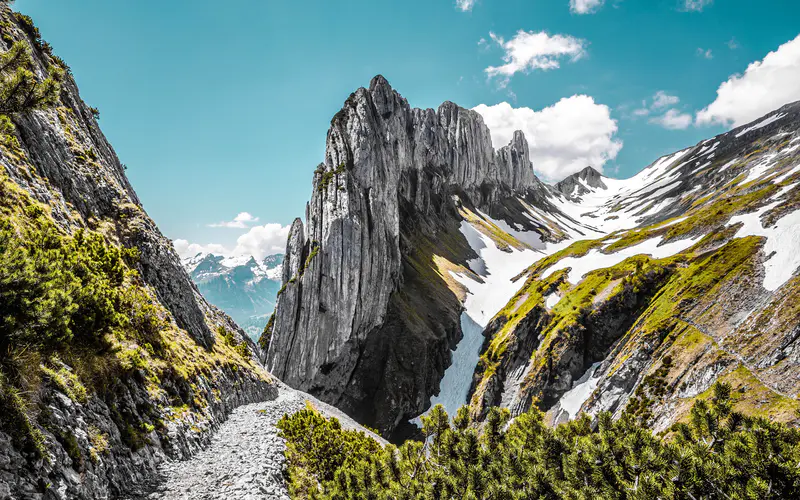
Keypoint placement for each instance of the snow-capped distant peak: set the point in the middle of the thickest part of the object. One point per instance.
(191, 263)
(207, 265)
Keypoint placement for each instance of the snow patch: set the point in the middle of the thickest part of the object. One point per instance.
(484, 300)
(552, 300)
(573, 399)
(454, 386)
(761, 124)
(783, 241)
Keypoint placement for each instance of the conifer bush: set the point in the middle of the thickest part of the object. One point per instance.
(717, 453)
(20, 89)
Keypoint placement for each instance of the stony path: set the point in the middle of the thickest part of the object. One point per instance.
(244, 460)
(752, 369)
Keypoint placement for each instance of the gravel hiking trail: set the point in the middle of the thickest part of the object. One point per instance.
(244, 460)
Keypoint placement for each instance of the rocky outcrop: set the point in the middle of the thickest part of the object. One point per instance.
(385, 201)
(577, 184)
(110, 442)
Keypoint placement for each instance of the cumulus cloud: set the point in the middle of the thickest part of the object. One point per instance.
(585, 6)
(465, 5)
(663, 111)
(564, 138)
(696, 5)
(673, 120)
(663, 100)
(765, 85)
(529, 51)
(186, 249)
(259, 242)
(241, 221)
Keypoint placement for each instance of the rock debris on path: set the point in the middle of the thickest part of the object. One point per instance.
(245, 458)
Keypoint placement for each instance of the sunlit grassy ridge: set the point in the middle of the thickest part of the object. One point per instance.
(658, 295)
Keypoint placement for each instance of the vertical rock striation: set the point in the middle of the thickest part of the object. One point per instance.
(364, 321)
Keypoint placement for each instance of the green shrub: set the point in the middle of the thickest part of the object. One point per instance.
(54, 288)
(717, 454)
(20, 89)
(320, 448)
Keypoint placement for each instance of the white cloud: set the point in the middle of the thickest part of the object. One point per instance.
(186, 249)
(673, 120)
(585, 6)
(529, 51)
(259, 242)
(564, 138)
(465, 5)
(241, 221)
(733, 44)
(707, 53)
(696, 5)
(663, 100)
(764, 86)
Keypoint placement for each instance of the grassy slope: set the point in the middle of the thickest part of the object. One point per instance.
(699, 277)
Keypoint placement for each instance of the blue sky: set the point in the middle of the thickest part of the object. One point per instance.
(222, 108)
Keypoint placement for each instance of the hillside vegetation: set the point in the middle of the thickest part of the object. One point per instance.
(717, 453)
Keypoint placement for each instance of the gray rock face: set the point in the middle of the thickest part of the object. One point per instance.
(575, 184)
(389, 177)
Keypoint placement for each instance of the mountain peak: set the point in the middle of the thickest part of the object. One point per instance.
(589, 171)
(581, 182)
(379, 81)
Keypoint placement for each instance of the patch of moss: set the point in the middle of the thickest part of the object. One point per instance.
(752, 398)
(577, 249)
(266, 336)
(17, 420)
(705, 217)
(64, 378)
(315, 246)
(327, 176)
(98, 442)
(73, 449)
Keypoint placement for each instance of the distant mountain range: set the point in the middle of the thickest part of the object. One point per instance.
(243, 287)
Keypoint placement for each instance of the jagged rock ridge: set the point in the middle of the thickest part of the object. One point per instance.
(365, 320)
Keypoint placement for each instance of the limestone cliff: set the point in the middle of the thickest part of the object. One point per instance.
(366, 318)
